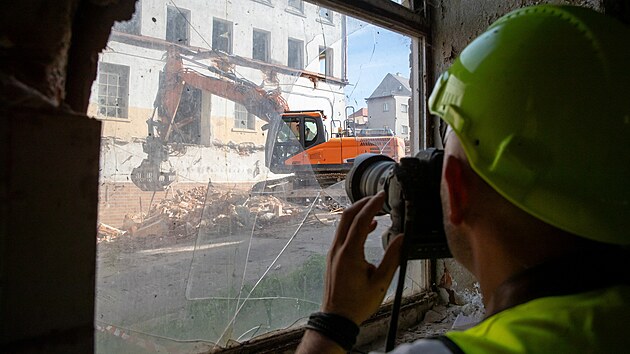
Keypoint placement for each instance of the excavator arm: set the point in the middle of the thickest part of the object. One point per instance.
(267, 105)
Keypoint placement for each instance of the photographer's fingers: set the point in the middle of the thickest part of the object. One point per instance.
(391, 259)
(346, 221)
(362, 224)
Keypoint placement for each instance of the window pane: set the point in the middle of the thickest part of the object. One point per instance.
(295, 54)
(260, 48)
(177, 25)
(325, 14)
(296, 4)
(222, 35)
(212, 227)
(112, 83)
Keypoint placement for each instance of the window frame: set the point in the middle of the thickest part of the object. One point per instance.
(122, 71)
(420, 47)
(328, 17)
(404, 108)
(300, 53)
(180, 13)
(385, 106)
(230, 39)
(327, 54)
(267, 44)
(299, 8)
(250, 119)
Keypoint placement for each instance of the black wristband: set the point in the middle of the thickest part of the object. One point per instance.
(338, 328)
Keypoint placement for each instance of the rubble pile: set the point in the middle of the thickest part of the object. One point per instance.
(220, 212)
(106, 233)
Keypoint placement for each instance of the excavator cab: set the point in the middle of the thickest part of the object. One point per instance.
(298, 131)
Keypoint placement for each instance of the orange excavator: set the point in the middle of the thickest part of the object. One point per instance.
(316, 151)
(310, 149)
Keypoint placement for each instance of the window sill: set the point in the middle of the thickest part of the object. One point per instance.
(240, 130)
(295, 12)
(412, 312)
(264, 2)
(325, 22)
(113, 119)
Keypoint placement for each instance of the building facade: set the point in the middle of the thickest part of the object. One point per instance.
(388, 106)
(204, 78)
(294, 48)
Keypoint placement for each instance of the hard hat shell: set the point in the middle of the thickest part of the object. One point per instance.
(541, 105)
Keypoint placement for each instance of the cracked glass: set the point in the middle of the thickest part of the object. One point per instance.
(221, 187)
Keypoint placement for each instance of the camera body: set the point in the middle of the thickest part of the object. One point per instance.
(413, 199)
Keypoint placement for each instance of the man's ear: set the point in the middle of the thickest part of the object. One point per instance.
(457, 185)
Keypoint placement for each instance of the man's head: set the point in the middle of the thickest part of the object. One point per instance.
(540, 111)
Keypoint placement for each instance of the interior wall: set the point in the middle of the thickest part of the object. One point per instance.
(49, 174)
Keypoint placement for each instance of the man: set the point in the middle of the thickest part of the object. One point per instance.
(535, 194)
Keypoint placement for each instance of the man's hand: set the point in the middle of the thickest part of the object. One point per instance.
(353, 287)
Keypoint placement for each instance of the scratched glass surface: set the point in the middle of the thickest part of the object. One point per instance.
(216, 211)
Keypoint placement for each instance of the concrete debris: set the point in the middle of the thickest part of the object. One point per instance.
(433, 316)
(211, 212)
(106, 233)
(443, 318)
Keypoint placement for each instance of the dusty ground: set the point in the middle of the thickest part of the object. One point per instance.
(187, 280)
(211, 273)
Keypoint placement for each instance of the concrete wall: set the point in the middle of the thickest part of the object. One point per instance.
(193, 163)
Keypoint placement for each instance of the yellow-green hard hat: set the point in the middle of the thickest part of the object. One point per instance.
(541, 104)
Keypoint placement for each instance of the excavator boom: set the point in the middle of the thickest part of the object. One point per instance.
(267, 105)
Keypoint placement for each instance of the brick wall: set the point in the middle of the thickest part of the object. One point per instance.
(115, 200)
(119, 199)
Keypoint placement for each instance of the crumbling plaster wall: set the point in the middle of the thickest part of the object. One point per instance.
(455, 23)
(49, 154)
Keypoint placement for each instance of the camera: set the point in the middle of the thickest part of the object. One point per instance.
(413, 202)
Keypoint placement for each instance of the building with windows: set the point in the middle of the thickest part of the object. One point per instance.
(388, 106)
(287, 48)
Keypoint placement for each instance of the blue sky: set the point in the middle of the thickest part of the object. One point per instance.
(372, 53)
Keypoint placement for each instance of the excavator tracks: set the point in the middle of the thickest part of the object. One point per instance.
(303, 189)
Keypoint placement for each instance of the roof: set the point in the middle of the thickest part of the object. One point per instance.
(363, 112)
(392, 85)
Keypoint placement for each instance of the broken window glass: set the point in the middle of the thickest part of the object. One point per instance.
(325, 15)
(217, 202)
(112, 82)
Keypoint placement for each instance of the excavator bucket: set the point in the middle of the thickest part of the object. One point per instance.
(148, 176)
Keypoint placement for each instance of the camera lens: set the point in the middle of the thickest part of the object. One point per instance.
(368, 176)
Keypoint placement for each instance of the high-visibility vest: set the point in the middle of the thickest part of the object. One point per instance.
(596, 321)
